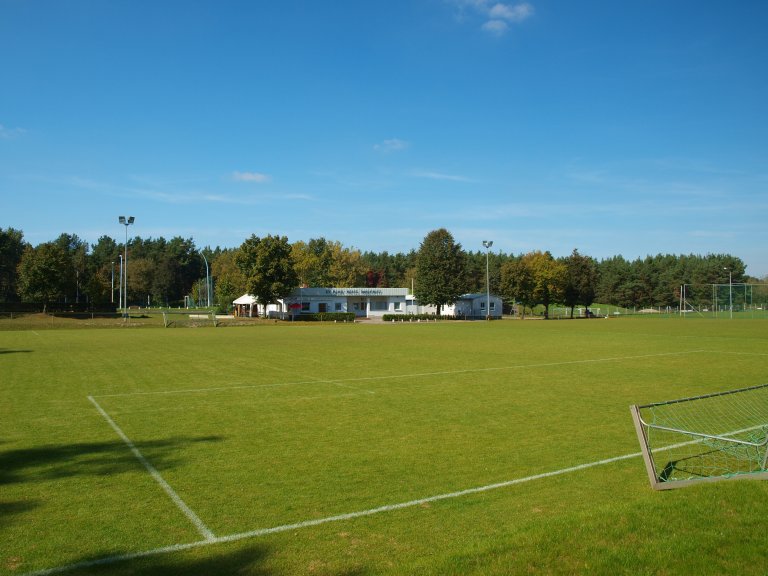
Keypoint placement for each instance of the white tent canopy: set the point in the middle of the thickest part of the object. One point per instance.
(245, 299)
(245, 305)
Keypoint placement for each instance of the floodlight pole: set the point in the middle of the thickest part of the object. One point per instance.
(126, 222)
(120, 302)
(730, 291)
(487, 244)
(207, 280)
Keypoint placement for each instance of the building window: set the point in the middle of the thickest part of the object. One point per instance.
(338, 307)
(397, 306)
(379, 306)
(493, 305)
(305, 306)
(482, 305)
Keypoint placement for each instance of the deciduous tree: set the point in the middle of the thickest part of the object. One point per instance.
(517, 284)
(440, 269)
(229, 280)
(549, 278)
(581, 277)
(268, 268)
(45, 273)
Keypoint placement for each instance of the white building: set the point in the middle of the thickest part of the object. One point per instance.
(469, 306)
(367, 303)
(363, 302)
(473, 306)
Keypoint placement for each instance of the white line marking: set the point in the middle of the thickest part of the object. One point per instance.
(201, 527)
(738, 353)
(399, 376)
(318, 521)
(339, 517)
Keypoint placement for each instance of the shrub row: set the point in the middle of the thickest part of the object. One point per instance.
(414, 317)
(53, 307)
(328, 317)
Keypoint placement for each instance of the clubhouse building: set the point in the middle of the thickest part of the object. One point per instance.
(364, 303)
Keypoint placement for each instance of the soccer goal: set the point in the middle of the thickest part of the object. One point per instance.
(719, 436)
(189, 319)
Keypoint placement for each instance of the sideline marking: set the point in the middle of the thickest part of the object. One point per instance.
(398, 376)
(204, 531)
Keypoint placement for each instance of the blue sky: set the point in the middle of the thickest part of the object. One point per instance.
(632, 127)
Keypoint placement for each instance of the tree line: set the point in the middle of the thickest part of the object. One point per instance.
(167, 272)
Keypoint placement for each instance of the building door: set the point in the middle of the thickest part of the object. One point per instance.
(322, 307)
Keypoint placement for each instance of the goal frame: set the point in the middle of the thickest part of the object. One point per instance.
(204, 316)
(641, 428)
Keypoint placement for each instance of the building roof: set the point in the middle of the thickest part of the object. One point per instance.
(476, 296)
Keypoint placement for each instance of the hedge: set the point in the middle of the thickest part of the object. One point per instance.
(415, 317)
(327, 317)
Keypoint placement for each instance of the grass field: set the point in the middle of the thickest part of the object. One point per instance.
(346, 449)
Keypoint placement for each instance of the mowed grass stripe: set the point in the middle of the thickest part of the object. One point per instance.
(411, 376)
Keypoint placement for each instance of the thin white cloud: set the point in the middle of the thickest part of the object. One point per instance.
(497, 27)
(510, 13)
(391, 145)
(8, 133)
(256, 177)
(254, 200)
(440, 176)
(498, 15)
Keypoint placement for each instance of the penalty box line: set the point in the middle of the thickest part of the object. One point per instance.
(202, 529)
(107, 560)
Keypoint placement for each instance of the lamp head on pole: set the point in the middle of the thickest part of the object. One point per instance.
(487, 243)
(122, 219)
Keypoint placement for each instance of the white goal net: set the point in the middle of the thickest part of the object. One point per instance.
(704, 438)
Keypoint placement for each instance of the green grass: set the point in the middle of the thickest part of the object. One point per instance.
(278, 424)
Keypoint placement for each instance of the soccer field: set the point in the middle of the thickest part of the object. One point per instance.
(424, 448)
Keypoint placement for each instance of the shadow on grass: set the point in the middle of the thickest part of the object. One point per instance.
(52, 462)
(249, 561)
(9, 509)
(7, 351)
